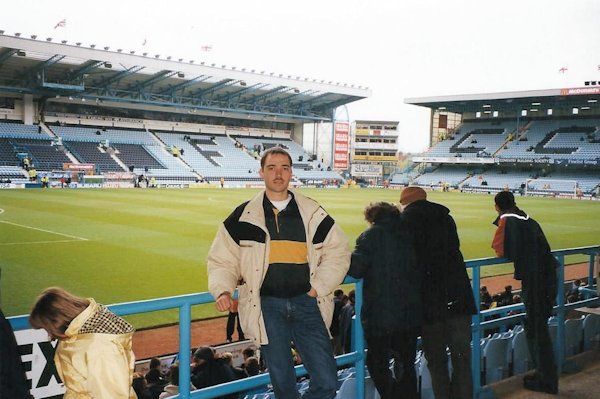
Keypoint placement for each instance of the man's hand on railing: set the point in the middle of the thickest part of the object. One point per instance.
(224, 302)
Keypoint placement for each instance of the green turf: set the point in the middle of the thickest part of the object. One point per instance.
(131, 244)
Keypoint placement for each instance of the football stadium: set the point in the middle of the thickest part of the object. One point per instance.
(117, 168)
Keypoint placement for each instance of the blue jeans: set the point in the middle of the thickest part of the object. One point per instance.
(298, 319)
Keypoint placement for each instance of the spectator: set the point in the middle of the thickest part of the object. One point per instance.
(506, 297)
(384, 257)
(448, 301)
(252, 366)
(484, 296)
(154, 370)
(209, 370)
(93, 356)
(238, 372)
(155, 382)
(520, 239)
(232, 319)
(13, 381)
(573, 295)
(140, 387)
(290, 255)
(334, 329)
(172, 388)
(346, 323)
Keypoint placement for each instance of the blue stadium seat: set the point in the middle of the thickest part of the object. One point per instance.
(495, 365)
(521, 359)
(573, 336)
(591, 331)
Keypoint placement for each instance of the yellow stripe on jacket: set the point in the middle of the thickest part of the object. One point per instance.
(283, 251)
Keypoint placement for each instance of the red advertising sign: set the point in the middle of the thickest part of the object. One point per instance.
(579, 91)
(340, 145)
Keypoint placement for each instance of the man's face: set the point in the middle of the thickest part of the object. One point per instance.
(276, 173)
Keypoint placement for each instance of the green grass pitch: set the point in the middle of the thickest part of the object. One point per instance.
(120, 245)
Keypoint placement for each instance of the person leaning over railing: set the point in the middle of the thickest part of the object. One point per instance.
(391, 313)
(520, 239)
(448, 301)
(93, 356)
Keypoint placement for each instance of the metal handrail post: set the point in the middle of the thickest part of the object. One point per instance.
(185, 320)
(359, 342)
(560, 311)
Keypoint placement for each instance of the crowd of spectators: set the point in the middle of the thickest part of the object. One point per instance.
(208, 368)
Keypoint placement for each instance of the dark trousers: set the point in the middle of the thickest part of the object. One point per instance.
(400, 346)
(453, 333)
(538, 339)
(232, 320)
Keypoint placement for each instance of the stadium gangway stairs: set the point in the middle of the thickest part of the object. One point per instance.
(478, 324)
(185, 302)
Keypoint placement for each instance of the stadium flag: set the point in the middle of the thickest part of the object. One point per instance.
(206, 48)
(563, 69)
(61, 24)
(145, 41)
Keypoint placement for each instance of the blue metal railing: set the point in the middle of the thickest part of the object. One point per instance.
(478, 324)
(185, 302)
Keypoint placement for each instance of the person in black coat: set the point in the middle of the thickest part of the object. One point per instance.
(391, 312)
(210, 370)
(520, 239)
(446, 292)
(13, 383)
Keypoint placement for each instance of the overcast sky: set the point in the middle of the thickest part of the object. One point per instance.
(399, 49)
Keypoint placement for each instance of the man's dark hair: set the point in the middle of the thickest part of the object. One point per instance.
(252, 366)
(248, 352)
(274, 151)
(375, 211)
(505, 200)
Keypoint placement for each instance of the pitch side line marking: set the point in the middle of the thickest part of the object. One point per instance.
(37, 242)
(45, 231)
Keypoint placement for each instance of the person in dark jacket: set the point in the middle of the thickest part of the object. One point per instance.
(446, 293)
(13, 382)
(391, 312)
(210, 370)
(520, 239)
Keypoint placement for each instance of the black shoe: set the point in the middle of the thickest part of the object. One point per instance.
(533, 383)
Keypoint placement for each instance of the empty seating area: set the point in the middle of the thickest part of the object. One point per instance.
(88, 152)
(99, 134)
(15, 129)
(43, 155)
(12, 173)
(557, 139)
(496, 180)
(8, 155)
(444, 174)
(136, 155)
(214, 156)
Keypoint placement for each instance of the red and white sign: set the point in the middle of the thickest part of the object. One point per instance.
(579, 91)
(340, 146)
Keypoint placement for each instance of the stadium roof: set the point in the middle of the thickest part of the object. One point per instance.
(64, 72)
(567, 98)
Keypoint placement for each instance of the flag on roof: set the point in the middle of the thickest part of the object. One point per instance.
(145, 41)
(206, 48)
(61, 24)
(563, 69)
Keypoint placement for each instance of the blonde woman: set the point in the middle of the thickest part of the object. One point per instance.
(93, 356)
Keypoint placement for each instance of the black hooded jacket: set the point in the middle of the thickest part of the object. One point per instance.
(520, 239)
(384, 258)
(446, 289)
